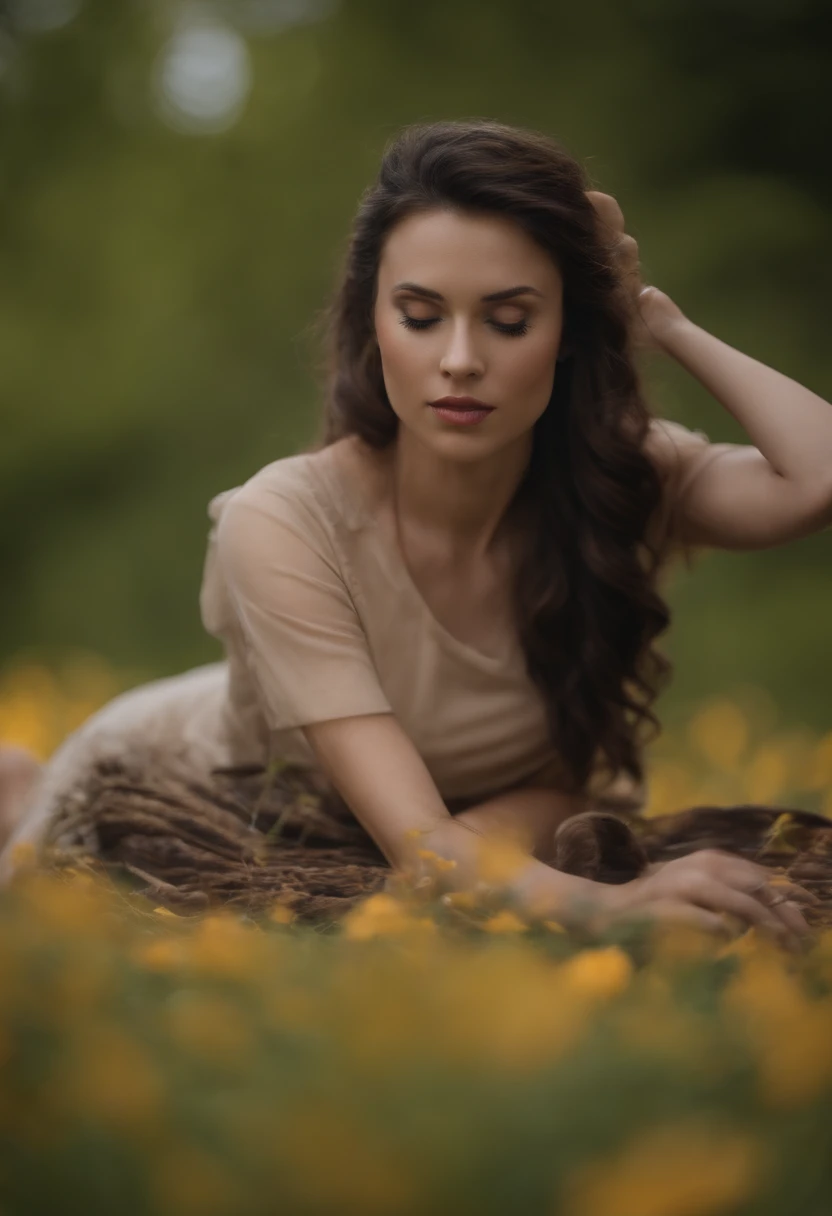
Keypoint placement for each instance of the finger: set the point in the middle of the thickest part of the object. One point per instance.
(677, 912)
(779, 902)
(711, 893)
(773, 893)
(792, 918)
(792, 890)
(607, 210)
(627, 254)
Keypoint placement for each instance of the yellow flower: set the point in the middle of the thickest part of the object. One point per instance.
(67, 908)
(502, 1008)
(24, 856)
(791, 1033)
(499, 859)
(822, 945)
(678, 943)
(223, 946)
(163, 954)
(464, 901)
(690, 1169)
(720, 733)
(505, 921)
(38, 707)
(29, 701)
(820, 772)
(282, 914)
(438, 863)
(382, 916)
(598, 974)
(553, 926)
(745, 945)
(766, 775)
(669, 788)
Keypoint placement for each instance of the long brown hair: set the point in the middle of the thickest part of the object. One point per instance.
(585, 598)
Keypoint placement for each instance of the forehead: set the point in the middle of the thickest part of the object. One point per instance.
(446, 249)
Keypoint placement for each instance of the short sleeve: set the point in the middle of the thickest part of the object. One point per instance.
(305, 646)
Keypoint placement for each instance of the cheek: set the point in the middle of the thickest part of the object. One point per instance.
(401, 357)
(532, 365)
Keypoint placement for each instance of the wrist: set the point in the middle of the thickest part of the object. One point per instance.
(543, 893)
(621, 897)
(671, 331)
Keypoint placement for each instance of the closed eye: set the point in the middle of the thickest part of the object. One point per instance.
(516, 329)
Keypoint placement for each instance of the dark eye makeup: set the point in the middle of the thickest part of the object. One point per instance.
(514, 330)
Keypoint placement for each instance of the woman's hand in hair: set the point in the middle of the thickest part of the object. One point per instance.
(705, 887)
(652, 312)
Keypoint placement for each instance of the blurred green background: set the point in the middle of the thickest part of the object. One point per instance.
(177, 183)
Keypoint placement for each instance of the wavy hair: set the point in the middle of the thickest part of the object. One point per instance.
(585, 596)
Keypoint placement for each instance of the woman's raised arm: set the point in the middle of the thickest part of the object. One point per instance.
(773, 490)
(737, 496)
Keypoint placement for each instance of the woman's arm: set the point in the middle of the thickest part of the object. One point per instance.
(377, 770)
(380, 775)
(742, 496)
(736, 496)
(531, 814)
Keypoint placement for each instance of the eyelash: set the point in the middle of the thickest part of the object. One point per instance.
(516, 330)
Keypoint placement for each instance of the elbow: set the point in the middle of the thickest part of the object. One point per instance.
(819, 507)
(808, 509)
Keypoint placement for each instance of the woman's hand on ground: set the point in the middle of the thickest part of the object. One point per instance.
(652, 312)
(704, 887)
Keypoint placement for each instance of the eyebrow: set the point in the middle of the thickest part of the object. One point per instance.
(507, 294)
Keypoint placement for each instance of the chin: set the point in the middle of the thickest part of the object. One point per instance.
(465, 449)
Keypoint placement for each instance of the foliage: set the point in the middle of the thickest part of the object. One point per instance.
(423, 1056)
(429, 1053)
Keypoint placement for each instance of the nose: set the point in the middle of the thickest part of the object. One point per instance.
(461, 358)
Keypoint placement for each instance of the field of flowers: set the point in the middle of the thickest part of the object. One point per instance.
(426, 1054)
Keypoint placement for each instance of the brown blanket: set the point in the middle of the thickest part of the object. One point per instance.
(250, 838)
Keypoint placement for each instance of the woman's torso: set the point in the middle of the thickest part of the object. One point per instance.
(473, 715)
(441, 639)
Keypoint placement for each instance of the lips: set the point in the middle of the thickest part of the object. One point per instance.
(461, 411)
(461, 403)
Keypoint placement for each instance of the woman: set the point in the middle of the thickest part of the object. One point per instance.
(449, 604)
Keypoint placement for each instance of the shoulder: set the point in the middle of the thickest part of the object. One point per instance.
(289, 478)
(276, 517)
(328, 486)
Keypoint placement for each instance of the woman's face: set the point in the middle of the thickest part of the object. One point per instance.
(439, 335)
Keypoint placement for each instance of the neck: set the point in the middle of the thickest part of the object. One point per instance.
(460, 505)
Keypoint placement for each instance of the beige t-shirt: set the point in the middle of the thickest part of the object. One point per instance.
(321, 619)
